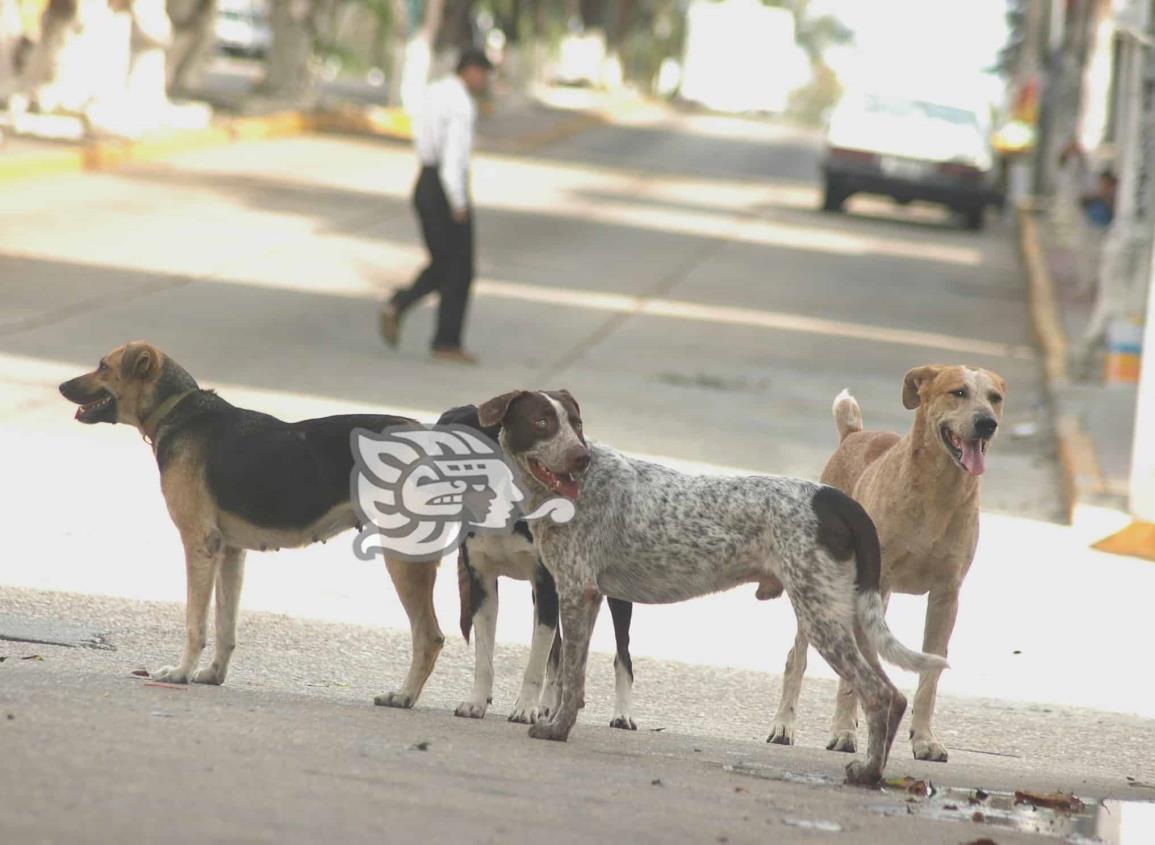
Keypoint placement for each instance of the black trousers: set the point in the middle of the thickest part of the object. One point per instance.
(450, 268)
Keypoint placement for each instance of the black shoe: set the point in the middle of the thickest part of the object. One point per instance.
(389, 324)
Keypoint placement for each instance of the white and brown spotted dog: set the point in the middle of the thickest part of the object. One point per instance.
(922, 491)
(645, 533)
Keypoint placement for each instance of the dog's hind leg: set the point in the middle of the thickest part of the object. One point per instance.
(202, 557)
(622, 612)
(528, 707)
(485, 629)
(414, 582)
(897, 701)
(835, 641)
(230, 577)
(844, 725)
(579, 611)
(782, 731)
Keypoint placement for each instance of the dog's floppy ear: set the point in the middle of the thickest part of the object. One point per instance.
(140, 360)
(493, 412)
(913, 383)
(567, 396)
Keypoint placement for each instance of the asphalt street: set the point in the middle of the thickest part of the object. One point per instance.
(672, 271)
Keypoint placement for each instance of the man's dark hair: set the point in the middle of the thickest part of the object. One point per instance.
(473, 57)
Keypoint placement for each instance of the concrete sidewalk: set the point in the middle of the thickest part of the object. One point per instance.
(1094, 421)
(509, 125)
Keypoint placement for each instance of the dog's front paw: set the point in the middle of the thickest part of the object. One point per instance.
(525, 715)
(843, 741)
(393, 699)
(928, 748)
(211, 675)
(549, 730)
(470, 710)
(781, 734)
(859, 773)
(623, 722)
(169, 675)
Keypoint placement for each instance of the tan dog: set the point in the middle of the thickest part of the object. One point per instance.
(235, 480)
(922, 491)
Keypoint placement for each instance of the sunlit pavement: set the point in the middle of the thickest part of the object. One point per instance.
(674, 275)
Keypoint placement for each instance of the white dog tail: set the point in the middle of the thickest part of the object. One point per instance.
(889, 648)
(842, 519)
(847, 414)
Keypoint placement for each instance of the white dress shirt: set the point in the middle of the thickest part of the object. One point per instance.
(444, 136)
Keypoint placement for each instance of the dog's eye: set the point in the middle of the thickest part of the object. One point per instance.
(961, 393)
(542, 423)
(995, 399)
(103, 366)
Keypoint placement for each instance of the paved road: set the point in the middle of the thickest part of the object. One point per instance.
(672, 272)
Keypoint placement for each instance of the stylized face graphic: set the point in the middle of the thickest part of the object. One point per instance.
(420, 491)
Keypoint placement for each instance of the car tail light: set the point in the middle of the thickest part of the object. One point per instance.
(962, 172)
(859, 156)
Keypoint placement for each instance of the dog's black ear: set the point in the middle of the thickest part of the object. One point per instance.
(140, 360)
(913, 381)
(493, 412)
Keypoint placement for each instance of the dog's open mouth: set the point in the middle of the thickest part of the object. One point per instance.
(97, 409)
(557, 482)
(971, 455)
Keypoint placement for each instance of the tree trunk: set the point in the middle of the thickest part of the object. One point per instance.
(192, 43)
(288, 76)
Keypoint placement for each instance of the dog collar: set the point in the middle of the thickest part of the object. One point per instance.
(149, 427)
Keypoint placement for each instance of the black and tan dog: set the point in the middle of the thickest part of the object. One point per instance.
(234, 480)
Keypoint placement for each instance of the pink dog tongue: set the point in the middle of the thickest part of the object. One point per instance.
(973, 458)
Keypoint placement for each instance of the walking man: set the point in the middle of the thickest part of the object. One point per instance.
(444, 141)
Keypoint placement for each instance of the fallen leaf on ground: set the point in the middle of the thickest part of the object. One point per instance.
(1050, 800)
(656, 782)
(162, 685)
(421, 746)
(141, 672)
(33, 657)
(2, 658)
(914, 786)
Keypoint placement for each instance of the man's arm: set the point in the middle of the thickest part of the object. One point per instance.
(454, 169)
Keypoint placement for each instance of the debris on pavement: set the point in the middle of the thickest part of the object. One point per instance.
(141, 672)
(1139, 783)
(656, 782)
(906, 783)
(423, 745)
(1060, 801)
(33, 657)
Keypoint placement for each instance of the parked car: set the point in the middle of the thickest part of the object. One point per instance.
(242, 28)
(909, 149)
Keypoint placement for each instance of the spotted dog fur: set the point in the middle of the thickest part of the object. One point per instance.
(484, 558)
(646, 533)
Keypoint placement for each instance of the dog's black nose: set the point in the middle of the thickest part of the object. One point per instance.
(985, 426)
(580, 460)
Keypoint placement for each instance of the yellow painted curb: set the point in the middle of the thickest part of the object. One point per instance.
(1136, 540)
(35, 165)
(376, 121)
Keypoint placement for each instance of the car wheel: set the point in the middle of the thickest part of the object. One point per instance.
(834, 196)
(974, 218)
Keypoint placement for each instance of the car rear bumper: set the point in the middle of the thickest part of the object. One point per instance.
(932, 187)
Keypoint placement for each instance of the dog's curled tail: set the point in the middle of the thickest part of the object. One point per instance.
(847, 414)
(870, 614)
